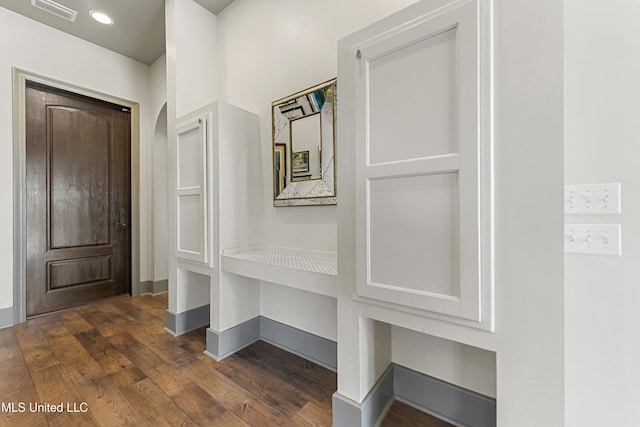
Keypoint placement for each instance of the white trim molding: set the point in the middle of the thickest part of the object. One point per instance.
(19, 79)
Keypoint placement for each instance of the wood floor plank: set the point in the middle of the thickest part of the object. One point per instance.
(74, 322)
(45, 320)
(401, 414)
(272, 390)
(102, 351)
(193, 342)
(101, 322)
(137, 312)
(16, 387)
(164, 346)
(136, 352)
(152, 304)
(40, 356)
(8, 345)
(53, 330)
(116, 315)
(116, 358)
(311, 379)
(127, 376)
(20, 415)
(199, 405)
(247, 406)
(7, 337)
(54, 386)
(313, 416)
(15, 378)
(153, 404)
(71, 354)
(230, 419)
(263, 352)
(29, 335)
(106, 402)
(187, 395)
(170, 380)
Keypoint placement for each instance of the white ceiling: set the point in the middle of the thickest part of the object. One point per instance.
(138, 31)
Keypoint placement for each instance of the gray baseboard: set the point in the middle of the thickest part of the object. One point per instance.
(317, 349)
(6, 317)
(160, 286)
(449, 402)
(346, 412)
(304, 344)
(446, 401)
(140, 288)
(371, 412)
(227, 342)
(149, 287)
(187, 321)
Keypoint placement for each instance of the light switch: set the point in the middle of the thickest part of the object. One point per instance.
(592, 199)
(605, 239)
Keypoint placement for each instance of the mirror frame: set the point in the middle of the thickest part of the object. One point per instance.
(311, 200)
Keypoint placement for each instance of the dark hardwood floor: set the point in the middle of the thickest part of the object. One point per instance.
(111, 364)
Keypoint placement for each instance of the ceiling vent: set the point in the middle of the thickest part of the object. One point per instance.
(56, 8)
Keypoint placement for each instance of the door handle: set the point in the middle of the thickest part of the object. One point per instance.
(123, 219)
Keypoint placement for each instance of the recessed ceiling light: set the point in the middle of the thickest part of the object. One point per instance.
(101, 17)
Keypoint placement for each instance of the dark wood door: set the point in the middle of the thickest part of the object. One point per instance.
(78, 199)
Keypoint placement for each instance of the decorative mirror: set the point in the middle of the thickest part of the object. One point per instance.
(304, 145)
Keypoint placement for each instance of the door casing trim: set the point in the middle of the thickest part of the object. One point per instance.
(19, 79)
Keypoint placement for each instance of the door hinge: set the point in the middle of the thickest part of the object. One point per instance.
(126, 110)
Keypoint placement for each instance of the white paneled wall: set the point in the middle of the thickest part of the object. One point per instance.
(194, 140)
(423, 162)
(216, 150)
(414, 237)
(490, 168)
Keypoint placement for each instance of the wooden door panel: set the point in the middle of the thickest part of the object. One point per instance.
(61, 274)
(79, 177)
(78, 180)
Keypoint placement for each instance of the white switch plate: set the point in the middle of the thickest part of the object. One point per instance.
(605, 239)
(592, 199)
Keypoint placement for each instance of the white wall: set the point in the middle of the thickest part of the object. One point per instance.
(529, 213)
(40, 49)
(158, 86)
(194, 292)
(469, 367)
(309, 312)
(159, 241)
(273, 49)
(191, 74)
(270, 50)
(196, 55)
(170, 37)
(602, 134)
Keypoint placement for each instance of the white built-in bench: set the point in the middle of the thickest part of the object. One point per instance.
(311, 271)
